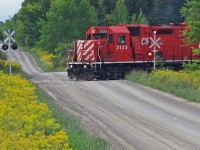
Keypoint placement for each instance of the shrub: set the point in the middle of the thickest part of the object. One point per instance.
(192, 66)
(2, 56)
(5, 66)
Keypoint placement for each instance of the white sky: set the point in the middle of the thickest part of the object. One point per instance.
(8, 8)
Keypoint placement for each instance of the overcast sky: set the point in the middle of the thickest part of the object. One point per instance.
(8, 8)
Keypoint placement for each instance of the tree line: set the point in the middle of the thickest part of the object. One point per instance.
(52, 24)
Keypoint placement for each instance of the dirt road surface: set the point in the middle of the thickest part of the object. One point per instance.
(129, 116)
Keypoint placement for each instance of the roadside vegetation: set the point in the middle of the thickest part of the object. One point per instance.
(30, 118)
(24, 121)
(184, 83)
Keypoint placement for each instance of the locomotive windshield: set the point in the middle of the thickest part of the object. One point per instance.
(103, 35)
(95, 36)
(99, 36)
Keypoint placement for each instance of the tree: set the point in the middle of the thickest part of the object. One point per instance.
(134, 6)
(139, 19)
(191, 13)
(27, 22)
(66, 21)
(86, 16)
(101, 12)
(120, 14)
(9, 24)
(1, 31)
(109, 5)
(175, 16)
(165, 12)
(57, 24)
(160, 12)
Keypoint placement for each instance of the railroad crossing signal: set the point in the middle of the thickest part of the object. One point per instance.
(9, 46)
(154, 45)
(9, 39)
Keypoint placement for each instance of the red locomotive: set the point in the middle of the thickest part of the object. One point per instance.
(109, 52)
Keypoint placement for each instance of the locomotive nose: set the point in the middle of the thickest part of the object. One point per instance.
(86, 51)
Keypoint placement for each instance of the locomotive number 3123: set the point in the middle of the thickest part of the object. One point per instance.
(122, 47)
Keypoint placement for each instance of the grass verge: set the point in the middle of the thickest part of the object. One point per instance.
(171, 83)
(78, 137)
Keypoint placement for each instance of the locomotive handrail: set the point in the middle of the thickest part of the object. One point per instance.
(99, 51)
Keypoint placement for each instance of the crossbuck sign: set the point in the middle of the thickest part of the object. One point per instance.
(9, 36)
(154, 45)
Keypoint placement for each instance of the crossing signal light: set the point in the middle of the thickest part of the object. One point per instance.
(150, 54)
(4, 47)
(14, 46)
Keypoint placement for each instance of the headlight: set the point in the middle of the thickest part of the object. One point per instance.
(71, 66)
(85, 66)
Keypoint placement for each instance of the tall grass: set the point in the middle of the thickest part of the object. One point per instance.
(182, 84)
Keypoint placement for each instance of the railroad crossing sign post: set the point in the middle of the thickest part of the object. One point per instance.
(9, 39)
(154, 44)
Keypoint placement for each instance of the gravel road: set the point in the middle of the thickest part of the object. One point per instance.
(129, 116)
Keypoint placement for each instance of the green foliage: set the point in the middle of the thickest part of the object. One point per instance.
(182, 84)
(119, 15)
(66, 20)
(9, 24)
(159, 62)
(192, 18)
(57, 24)
(2, 56)
(139, 19)
(60, 61)
(101, 12)
(135, 6)
(1, 31)
(27, 22)
(166, 11)
(86, 16)
(5, 67)
(192, 66)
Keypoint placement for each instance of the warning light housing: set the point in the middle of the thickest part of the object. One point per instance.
(14, 46)
(5, 47)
